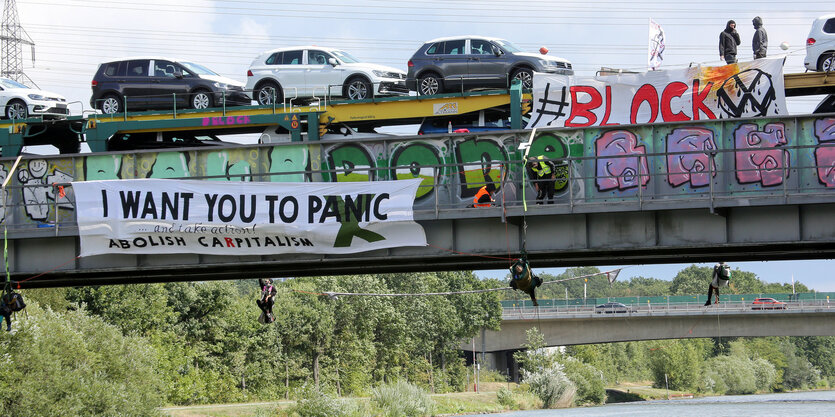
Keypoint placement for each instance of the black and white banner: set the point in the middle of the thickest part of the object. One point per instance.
(157, 216)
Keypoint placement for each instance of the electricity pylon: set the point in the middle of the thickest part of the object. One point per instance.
(12, 39)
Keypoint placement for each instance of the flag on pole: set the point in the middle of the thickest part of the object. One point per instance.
(656, 45)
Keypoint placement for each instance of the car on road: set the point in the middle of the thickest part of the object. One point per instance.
(313, 71)
(820, 45)
(768, 304)
(467, 62)
(20, 101)
(613, 307)
(145, 83)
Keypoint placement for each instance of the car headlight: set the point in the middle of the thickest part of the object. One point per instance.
(386, 74)
(222, 86)
(37, 97)
(547, 63)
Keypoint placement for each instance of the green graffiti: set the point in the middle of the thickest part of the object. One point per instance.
(290, 161)
(417, 160)
(218, 167)
(351, 228)
(102, 167)
(170, 165)
(552, 147)
(487, 155)
(351, 164)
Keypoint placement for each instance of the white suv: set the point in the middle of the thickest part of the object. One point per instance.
(820, 45)
(312, 71)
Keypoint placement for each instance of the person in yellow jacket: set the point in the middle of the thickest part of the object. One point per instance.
(484, 196)
(543, 176)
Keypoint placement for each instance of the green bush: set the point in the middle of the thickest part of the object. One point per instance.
(313, 403)
(587, 379)
(736, 372)
(72, 364)
(402, 399)
(505, 397)
(765, 374)
(551, 386)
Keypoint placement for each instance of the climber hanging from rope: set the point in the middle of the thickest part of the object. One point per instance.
(521, 278)
(266, 301)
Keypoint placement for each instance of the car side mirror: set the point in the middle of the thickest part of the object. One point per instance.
(498, 52)
(333, 62)
(178, 74)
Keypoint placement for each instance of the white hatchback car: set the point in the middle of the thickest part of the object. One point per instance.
(20, 101)
(312, 71)
(820, 45)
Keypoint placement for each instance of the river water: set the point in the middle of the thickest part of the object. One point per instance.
(796, 404)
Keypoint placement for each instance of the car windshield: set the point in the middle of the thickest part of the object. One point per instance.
(7, 83)
(198, 69)
(507, 45)
(345, 57)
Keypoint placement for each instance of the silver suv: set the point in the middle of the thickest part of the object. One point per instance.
(466, 62)
(820, 45)
(314, 71)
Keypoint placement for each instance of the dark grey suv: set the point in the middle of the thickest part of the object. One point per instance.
(157, 83)
(466, 62)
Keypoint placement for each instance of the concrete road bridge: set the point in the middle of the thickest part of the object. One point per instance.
(586, 324)
(698, 191)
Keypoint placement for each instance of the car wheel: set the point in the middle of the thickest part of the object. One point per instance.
(16, 109)
(826, 61)
(268, 93)
(524, 75)
(430, 84)
(202, 100)
(358, 89)
(110, 104)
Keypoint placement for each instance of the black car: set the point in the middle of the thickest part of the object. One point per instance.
(157, 83)
(459, 63)
(613, 308)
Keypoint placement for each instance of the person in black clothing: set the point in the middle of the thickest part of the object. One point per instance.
(760, 40)
(728, 41)
(265, 303)
(542, 173)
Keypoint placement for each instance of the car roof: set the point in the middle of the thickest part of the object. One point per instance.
(826, 17)
(295, 48)
(452, 38)
(132, 58)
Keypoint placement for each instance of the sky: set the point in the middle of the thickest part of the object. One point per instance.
(72, 37)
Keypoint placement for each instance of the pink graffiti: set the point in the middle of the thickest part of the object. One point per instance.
(764, 163)
(614, 170)
(825, 153)
(683, 164)
(225, 121)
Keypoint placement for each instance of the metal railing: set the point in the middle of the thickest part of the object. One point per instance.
(639, 309)
(450, 188)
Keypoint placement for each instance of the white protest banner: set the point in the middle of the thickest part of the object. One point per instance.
(158, 216)
(746, 89)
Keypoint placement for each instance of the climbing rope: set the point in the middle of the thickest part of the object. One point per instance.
(611, 274)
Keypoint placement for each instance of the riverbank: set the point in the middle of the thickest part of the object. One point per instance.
(449, 404)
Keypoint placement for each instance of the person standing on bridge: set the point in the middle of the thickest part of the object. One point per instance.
(728, 41)
(266, 301)
(760, 40)
(543, 175)
(721, 278)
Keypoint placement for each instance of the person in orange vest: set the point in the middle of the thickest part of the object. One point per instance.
(484, 196)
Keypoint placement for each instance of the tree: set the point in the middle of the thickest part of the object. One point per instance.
(71, 364)
(692, 280)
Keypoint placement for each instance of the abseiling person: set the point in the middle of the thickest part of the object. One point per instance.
(721, 278)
